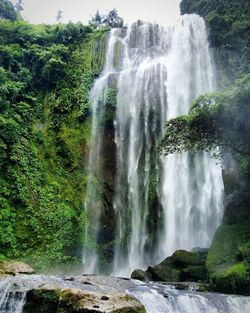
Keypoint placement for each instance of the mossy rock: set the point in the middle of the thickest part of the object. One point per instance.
(164, 273)
(244, 249)
(230, 179)
(183, 258)
(237, 208)
(233, 279)
(141, 275)
(2, 272)
(226, 245)
(41, 301)
(194, 273)
(55, 299)
(70, 300)
(15, 267)
(167, 262)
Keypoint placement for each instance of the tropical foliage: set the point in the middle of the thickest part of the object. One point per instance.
(46, 73)
(214, 120)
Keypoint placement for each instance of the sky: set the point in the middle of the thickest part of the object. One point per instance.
(45, 11)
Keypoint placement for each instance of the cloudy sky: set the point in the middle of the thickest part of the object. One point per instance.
(45, 11)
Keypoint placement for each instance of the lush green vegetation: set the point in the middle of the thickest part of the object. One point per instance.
(232, 279)
(7, 10)
(46, 73)
(215, 120)
(229, 25)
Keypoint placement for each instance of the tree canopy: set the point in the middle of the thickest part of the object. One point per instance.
(112, 19)
(7, 10)
(217, 120)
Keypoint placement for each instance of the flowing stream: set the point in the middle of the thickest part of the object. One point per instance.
(160, 203)
(156, 297)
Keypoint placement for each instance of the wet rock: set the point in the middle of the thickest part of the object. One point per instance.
(232, 279)
(185, 258)
(107, 283)
(230, 174)
(228, 258)
(74, 300)
(164, 273)
(194, 273)
(42, 300)
(141, 275)
(189, 286)
(15, 267)
(104, 298)
(181, 266)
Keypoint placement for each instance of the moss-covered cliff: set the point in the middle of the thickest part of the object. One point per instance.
(46, 73)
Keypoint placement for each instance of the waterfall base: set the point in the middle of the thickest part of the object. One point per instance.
(30, 293)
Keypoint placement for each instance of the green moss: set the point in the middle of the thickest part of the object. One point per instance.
(196, 273)
(182, 257)
(51, 296)
(164, 273)
(244, 249)
(69, 300)
(230, 280)
(42, 301)
(224, 248)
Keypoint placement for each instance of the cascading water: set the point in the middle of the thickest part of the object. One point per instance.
(160, 203)
(156, 297)
(11, 301)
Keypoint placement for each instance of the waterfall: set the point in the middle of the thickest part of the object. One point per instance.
(11, 300)
(159, 203)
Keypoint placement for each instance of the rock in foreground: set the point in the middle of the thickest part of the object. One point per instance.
(15, 267)
(141, 275)
(53, 300)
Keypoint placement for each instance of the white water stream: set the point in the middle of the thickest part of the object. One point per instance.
(156, 297)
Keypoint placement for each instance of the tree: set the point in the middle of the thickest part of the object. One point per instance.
(7, 10)
(19, 6)
(96, 20)
(59, 16)
(218, 120)
(112, 19)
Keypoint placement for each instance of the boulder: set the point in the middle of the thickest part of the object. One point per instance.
(15, 267)
(63, 300)
(164, 273)
(185, 258)
(141, 275)
(231, 279)
(181, 266)
(194, 273)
